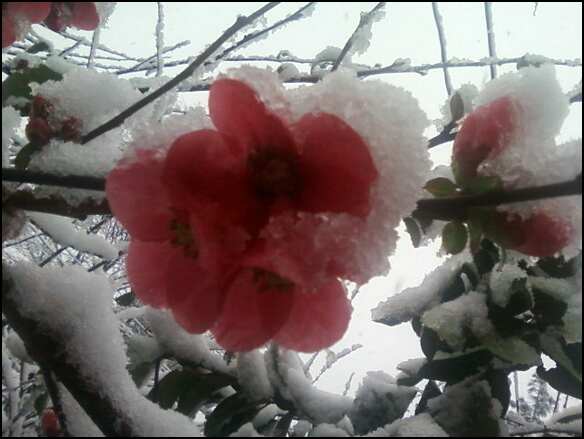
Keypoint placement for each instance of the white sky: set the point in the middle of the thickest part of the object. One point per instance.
(407, 31)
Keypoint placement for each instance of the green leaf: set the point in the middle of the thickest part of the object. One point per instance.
(126, 299)
(454, 237)
(559, 267)
(414, 231)
(483, 184)
(25, 154)
(486, 257)
(41, 46)
(548, 310)
(475, 231)
(169, 388)
(17, 85)
(441, 187)
(140, 372)
(430, 391)
(229, 415)
(456, 367)
(456, 107)
(200, 391)
(40, 402)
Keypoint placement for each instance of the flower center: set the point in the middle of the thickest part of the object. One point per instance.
(274, 173)
(269, 281)
(183, 237)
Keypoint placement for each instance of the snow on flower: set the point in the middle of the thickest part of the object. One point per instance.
(246, 230)
(17, 18)
(511, 134)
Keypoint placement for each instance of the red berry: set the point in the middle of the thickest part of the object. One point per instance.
(38, 131)
(41, 107)
(50, 423)
(71, 129)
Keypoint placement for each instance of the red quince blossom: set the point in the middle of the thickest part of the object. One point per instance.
(50, 423)
(485, 133)
(201, 220)
(82, 15)
(14, 14)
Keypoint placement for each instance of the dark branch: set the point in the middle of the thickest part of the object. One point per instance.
(70, 181)
(186, 73)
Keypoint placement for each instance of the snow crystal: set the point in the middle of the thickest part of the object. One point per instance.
(379, 400)
(176, 341)
(62, 231)
(253, 375)
(330, 53)
(501, 281)
(246, 430)
(10, 122)
(288, 71)
(327, 430)
(412, 302)
(361, 39)
(412, 366)
(59, 64)
(16, 347)
(143, 349)
(450, 319)
(74, 305)
(104, 10)
(422, 425)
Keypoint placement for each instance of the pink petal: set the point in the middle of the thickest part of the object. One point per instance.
(237, 112)
(85, 15)
(336, 166)
(318, 319)
(251, 315)
(195, 295)
(203, 172)
(138, 199)
(147, 264)
(35, 12)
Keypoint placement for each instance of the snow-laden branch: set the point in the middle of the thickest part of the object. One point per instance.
(93, 49)
(442, 40)
(159, 38)
(446, 208)
(365, 21)
(241, 22)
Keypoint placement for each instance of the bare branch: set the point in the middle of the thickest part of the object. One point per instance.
(442, 40)
(240, 23)
(491, 37)
(363, 21)
(159, 38)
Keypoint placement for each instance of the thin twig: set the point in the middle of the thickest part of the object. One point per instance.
(490, 37)
(93, 49)
(55, 394)
(144, 64)
(363, 21)
(348, 384)
(442, 40)
(116, 121)
(159, 38)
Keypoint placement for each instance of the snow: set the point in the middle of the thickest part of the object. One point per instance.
(265, 415)
(16, 347)
(412, 302)
(468, 92)
(176, 341)
(361, 39)
(501, 280)
(328, 430)
(422, 425)
(74, 305)
(64, 232)
(412, 366)
(288, 71)
(79, 424)
(451, 319)
(246, 430)
(253, 375)
(301, 428)
(10, 122)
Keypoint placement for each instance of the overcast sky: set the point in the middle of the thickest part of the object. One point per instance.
(407, 31)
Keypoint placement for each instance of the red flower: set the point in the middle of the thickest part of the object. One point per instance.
(539, 235)
(485, 132)
(33, 12)
(200, 221)
(82, 15)
(50, 423)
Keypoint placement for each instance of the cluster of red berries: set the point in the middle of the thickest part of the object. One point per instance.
(17, 16)
(50, 423)
(44, 126)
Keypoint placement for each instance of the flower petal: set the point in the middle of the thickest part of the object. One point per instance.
(252, 314)
(204, 173)
(85, 15)
(317, 320)
(138, 198)
(146, 265)
(237, 112)
(336, 166)
(35, 12)
(195, 294)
